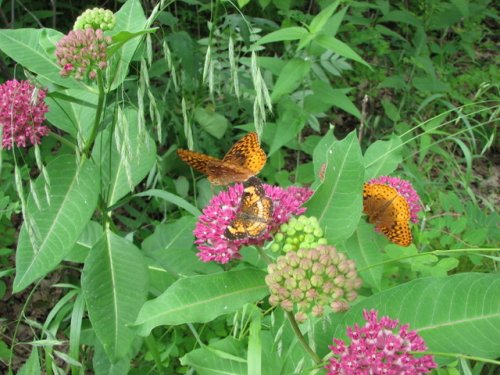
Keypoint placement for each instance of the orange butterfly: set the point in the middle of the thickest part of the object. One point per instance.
(254, 214)
(389, 211)
(244, 160)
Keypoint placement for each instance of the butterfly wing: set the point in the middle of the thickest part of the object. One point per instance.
(389, 211)
(201, 162)
(218, 171)
(247, 153)
(254, 213)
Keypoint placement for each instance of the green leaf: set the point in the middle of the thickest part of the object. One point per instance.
(366, 247)
(89, 237)
(290, 77)
(391, 110)
(52, 227)
(288, 33)
(123, 37)
(221, 357)
(32, 365)
(254, 355)
(383, 157)
(187, 299)
(114, 283)
(129, 18)
(455, 314)
(402, 16)
(430, 84)
(290, 122)
(337, 202)
(333, 44)
(72, 111)
(35, 50)
(324, 96)
(212, 122)
(172, 198)
(133, 153)
(102, 365)
(172, 246)
(319, 21)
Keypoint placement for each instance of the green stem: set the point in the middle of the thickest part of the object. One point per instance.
(460, 355)
(98, 115)
(435, 252)
(301, 338)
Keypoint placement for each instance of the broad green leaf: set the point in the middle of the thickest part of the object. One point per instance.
(383, 157)
(114, 283)
(172, 198)
(32, 365)
(129, 18)
(319, 21)
(455, 314)
(391, 110)
(254, 354)
(290, 122)
(288, 33)
(132, 156)
(366, 247)
(171, 245)
(225, 356)
(52, 227)
(333, 44)
(212, 122)
(402, 16)
(72, 111)
(290, 77)
(123, 37)
(187, 299)
(337, 202)
(35, 50)
(430, 84)
(324, 97)
(102, 365)
(89, 237)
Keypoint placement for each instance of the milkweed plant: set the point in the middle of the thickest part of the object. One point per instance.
(135, 242)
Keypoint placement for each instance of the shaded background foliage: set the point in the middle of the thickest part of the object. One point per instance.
(431, 78)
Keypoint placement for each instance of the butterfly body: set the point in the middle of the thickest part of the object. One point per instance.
(244, 160)
(388, 211)
(254, 213)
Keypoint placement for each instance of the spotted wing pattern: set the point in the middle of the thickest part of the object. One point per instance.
(388, 211)
(254, 214)
(244, 160)
(247, 153)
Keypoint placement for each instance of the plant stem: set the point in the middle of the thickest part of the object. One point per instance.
(98, 115)
(301, 338)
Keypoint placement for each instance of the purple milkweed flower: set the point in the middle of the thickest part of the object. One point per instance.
(22, 112)
(379, 347)
(406, 190)
(213, 245)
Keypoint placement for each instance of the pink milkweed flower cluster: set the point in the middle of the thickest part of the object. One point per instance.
(379, 347)
(405, 189)
(82, 53)
(222, 210)
(22, 112)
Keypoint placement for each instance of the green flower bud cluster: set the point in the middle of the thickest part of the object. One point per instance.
(298, 233)
(96, 18)
(309, 280)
